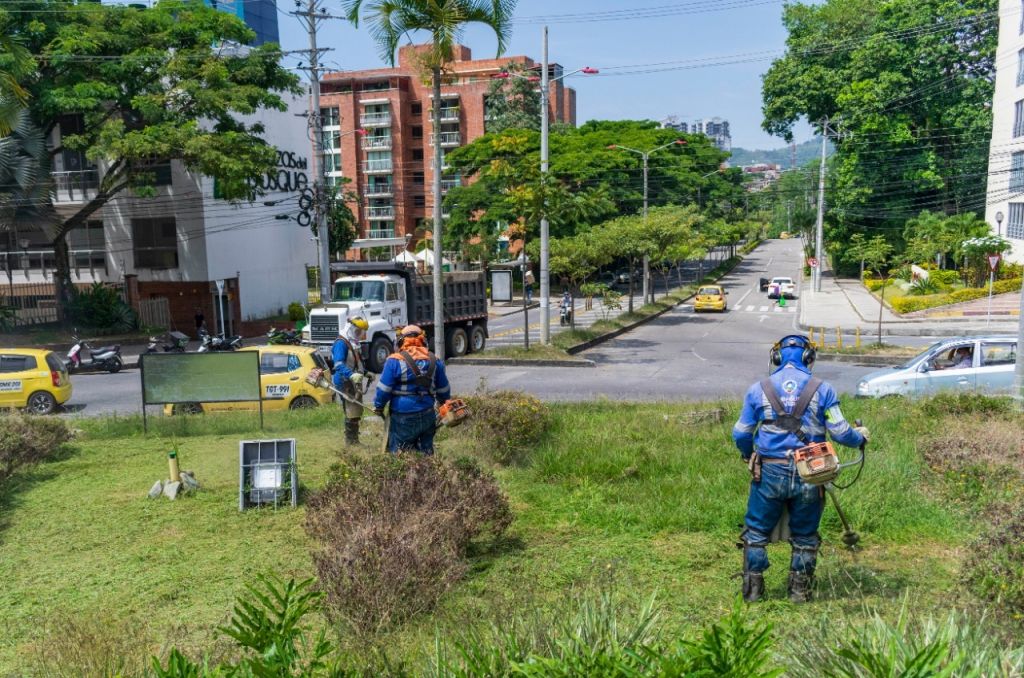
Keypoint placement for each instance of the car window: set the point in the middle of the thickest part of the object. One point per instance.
(709, 290)
(953, 357)
(17, 363)
(1003, 353)
(275, 363)
(392, 292)
(54, 363)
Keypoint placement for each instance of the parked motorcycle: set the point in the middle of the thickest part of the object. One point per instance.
(103, 359)
(289, 337)
(173, 342)
(209, 342)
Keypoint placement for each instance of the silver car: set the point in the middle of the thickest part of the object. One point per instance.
(966, 364)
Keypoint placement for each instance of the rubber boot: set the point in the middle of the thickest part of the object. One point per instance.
(753, 586)
(352, 431)
(801, 586)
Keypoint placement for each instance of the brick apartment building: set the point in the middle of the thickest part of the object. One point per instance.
(391, 165)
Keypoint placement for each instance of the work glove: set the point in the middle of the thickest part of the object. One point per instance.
(356, 379)
(863, 430)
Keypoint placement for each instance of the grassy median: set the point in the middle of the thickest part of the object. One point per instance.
(644, 499)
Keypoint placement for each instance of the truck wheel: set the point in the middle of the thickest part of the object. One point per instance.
(477, 339)
(380, 349)
(457, 342)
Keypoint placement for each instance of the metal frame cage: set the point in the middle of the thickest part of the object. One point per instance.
(267, 473)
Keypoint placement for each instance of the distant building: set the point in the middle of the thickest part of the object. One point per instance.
(259, 15)
(716, 129)
(390, 167)
(760, 175)
(1006, 154)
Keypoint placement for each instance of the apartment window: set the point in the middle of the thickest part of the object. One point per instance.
(332, 162)
(1018, 119)
(1020, 67)
(416, 108)
(330, 117)
(88, 244)
(375, 86)
(417, 154)
(72, 160)
(1015, 224)
(418, 178)
(155, 243)
(1017, 172)
(419, 201)
(417, 131)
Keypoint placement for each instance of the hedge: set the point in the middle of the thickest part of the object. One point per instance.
(911, 304)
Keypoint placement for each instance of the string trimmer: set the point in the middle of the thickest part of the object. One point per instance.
(318, 377)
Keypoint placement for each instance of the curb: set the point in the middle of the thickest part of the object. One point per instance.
(869, 360)
(517, 362)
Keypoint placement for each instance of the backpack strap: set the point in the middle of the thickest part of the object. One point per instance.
(790, 421)
(422, 379)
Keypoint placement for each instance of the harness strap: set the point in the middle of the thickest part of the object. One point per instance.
(791, 421)
(424, 380)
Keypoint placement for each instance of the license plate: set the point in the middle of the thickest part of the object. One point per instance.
(273, 391)
(10, 385)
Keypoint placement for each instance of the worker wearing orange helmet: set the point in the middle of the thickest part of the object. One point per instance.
(413, 381)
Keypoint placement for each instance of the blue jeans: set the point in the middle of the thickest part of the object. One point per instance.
(412, 431)
(781, 486)
(529, 293)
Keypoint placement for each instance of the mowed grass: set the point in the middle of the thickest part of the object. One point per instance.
(647, 496)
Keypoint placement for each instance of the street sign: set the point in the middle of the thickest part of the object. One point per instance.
(993, 262)
(812, 262)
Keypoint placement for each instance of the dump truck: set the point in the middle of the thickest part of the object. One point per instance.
(392, 295)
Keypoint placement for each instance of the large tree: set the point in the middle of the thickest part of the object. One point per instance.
(444, 20)
(513, 102)
(907, 85)
(147, 86)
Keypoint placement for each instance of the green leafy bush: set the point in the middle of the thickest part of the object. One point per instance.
(391, 534)
(959, 404)
(873, 284)
(7, 316)
(909, 304)
(925, 286)
(296, 311)
(944, 276)
(101, 307)
(25, 441)
(506, 424)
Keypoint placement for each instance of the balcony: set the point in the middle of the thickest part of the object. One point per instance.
(375, 120)
(448, 139)
(377, 143)
(380, 212)
(75, 187)
(449, 184)
(380, 190)
(444, 164)
(448, 114)
(377, 166)
(375, 233)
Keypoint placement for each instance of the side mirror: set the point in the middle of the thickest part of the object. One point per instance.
(925, 367)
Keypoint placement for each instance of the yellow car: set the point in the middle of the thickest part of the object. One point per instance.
(283, 372)
(710, 298)
(34, 379)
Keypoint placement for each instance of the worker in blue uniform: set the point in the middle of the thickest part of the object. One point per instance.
(349, 374)
(412, 381)
(780, 415)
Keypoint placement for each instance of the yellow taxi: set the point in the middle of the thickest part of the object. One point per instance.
(283, 385)
(34, 379)
(709, 298)
(784, 235)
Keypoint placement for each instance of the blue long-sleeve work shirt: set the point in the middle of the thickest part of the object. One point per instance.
(822, 414)
(397, 385)
(339, 353)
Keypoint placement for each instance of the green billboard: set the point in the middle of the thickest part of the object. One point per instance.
(200, 377)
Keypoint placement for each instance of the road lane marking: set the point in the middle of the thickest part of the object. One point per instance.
(698, 355)
(744, 296)
(762, 309)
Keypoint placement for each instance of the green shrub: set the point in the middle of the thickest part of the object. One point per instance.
(944, 276)
(8, 316)
(909, 304)
(391, 534)
(958, 404)
(101, 307)
(296, 311)
(923, 286)
(506, 424)
(25, 441)
(873, 284)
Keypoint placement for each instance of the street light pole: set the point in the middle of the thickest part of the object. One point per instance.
(545, 235)
(820, 226)
(1018, 391)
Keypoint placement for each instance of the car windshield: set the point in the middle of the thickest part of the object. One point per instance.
(358, 290)
(781, 280)
(709, 290)
(922, 354)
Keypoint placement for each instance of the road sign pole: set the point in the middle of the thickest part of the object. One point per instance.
(991, 285)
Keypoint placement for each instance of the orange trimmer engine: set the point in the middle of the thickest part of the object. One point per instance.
(817, 463)
(453, 413)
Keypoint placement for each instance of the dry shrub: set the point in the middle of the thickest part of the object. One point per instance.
(979, 459)
(26, 440)
(71, 645)
(506, 424)
(391, 534)
(994, 569)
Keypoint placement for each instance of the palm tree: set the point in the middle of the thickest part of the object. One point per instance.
(445, 20)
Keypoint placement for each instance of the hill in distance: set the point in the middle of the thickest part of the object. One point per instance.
(805, 153)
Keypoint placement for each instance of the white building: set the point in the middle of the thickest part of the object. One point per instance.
(177, 244)
(1006, 154)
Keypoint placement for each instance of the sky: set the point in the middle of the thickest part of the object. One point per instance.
(615, 35)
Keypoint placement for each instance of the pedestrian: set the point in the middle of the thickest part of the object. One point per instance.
(200, 321)
(350, 373)
(528, 285)
(780, 415)
(413, 381)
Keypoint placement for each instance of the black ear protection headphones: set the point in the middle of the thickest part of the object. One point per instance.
(808, 357)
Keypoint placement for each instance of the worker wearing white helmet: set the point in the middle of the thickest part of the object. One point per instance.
(349, 373)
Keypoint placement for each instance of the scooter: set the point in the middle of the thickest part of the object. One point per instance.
(103, 359)
(173, 342)
(290, 337)
(566, 315)
(210, 342)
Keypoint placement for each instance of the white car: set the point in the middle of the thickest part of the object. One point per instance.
(781, 287)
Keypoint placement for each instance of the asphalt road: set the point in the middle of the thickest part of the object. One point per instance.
(678, 356)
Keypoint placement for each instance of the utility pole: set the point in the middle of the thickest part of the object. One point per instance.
(545, 242)
(1018, 381)
(789, 217)
(820, 227)
(647, 257)
(311, 17)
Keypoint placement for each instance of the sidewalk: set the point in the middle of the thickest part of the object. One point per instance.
(846, 304)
